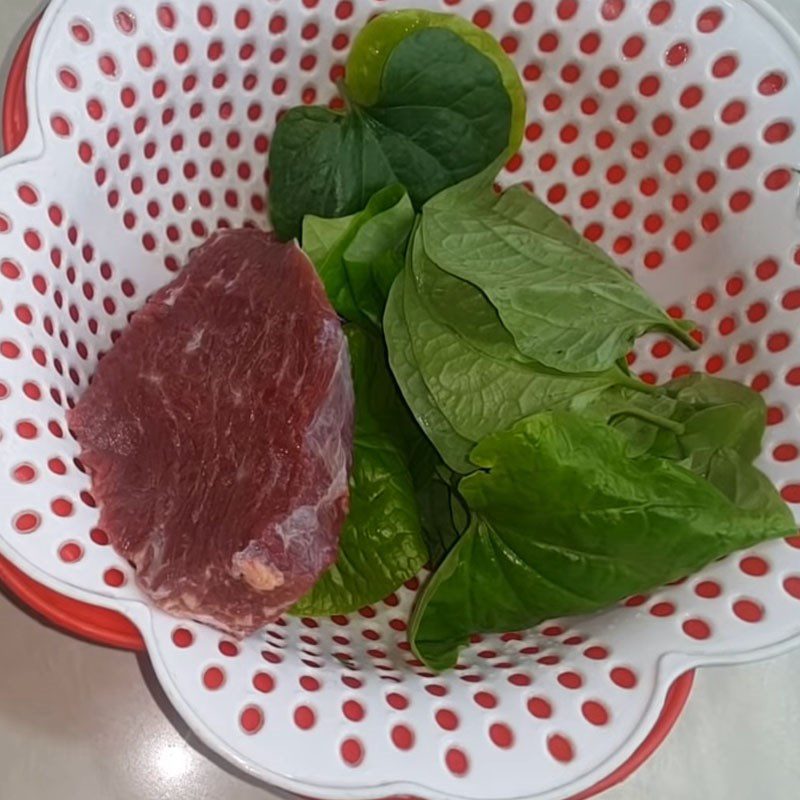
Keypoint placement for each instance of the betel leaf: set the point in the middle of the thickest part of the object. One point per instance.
(381, 543)
(443, 512)
(514, 204)
(358, 257)
(479, 393)
(461, 306)
(441, 115)
(709, 414)
(376, 256)
(711, 426)
(376, 41)
(641, 415)
(382, 407)
(566, 304)
(565, 522)
(718, 413)
(442, 515)
(739, 481)
(390, 415)
(463, 320)
(452, 446)
(322, 163)
(320, 236)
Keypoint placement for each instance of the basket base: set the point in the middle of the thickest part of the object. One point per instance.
(90, 622)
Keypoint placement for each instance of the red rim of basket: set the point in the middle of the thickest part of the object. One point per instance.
(110, 628)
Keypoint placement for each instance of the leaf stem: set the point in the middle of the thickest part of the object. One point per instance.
(341, 87)
(683, 336)
(638, 386)
(661, 422)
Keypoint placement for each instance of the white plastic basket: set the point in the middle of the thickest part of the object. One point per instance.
(666, 130)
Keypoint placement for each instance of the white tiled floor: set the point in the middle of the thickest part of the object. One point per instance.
(79, 722)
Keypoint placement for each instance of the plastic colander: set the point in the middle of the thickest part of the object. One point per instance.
(666, 131)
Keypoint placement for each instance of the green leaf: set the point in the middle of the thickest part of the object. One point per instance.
(477, 392)
(740, 481)
(564, 522)
(461, 306)
(377, 40)
(642, 414)
(358, 257)
(709, 414)
(442, 114)
(390, 415)
(452, 446)
(378, 397)
(322, 163)
(717, 414)
(376, 256)
(381, 544)
(566, 304)
(359, 261)
(320, 236)
(443, 512)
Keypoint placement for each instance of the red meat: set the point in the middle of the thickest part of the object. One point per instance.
(218, 433)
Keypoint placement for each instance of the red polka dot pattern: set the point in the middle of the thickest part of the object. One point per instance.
(652, 126)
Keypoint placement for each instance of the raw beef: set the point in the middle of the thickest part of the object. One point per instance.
(218, 433)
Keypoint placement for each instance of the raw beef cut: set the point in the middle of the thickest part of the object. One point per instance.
(218, 433)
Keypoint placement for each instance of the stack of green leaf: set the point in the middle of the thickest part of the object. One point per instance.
(500, 436)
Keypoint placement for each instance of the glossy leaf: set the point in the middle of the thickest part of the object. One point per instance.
(565, 522)
(381, 543)
(474, 390)
(320, 236)
(718, 414)
(707, 414)
(377, 40)
(566, 304)
(443, 512)
(441, 115)
(461, 306)
(451, 445)
(359, 257)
